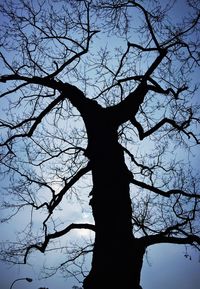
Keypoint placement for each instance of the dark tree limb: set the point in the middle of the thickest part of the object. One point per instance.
(42, 246)
(149, 24)
(163, 193)
(164, 121)
(161, 239)
(128, 108)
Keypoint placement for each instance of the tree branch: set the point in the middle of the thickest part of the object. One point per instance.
(157, 88)
(159, 239)
(128, 108)
(54, 202)
(163, 193)
(68, 91)
(151, 30)
(165, 120)
(76, 56)
(42, 246)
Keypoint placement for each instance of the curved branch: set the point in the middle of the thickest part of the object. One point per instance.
(140, 47)
(165, 120)
(128, 108)
(37, 120)
(42, 246)
(13, 90)
(157, 88)
(74, 57)
(146, 15)
(163, 193)
(54, 202)
(67, 91)
(176, 39)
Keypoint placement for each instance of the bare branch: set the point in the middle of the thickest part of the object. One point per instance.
(49, 237)
(180, 127)
(163, 193)
(150, 27)
(160, 238)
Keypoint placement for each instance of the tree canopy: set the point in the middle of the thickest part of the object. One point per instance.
(100, 109)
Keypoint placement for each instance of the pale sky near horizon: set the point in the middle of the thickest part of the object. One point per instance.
(167, 268)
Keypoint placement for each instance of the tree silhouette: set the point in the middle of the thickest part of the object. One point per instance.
(99, 97)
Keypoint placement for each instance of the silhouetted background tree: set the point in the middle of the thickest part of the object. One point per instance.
(99, 98)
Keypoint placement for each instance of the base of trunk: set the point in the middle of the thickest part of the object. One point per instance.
(120, 271)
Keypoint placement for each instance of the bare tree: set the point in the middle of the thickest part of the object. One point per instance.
(100, 97)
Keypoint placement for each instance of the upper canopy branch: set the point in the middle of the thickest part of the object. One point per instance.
(150, 27)
(74, 57)
(128, 108)
(176, 37)
(180, 127)
(67, 91)
(47, 37)
(157, 88)
(35, 120)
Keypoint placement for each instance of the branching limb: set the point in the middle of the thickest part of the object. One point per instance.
(150, 27)
(49, 237)
(157, 88)
(163, 193)
(73, 58)
(179, 127)
(36, 121)
(55, 201)
(129, 107)
(67, 91)
(191, 239)
(175, 39)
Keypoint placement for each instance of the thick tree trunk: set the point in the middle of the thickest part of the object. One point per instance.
(117, 256)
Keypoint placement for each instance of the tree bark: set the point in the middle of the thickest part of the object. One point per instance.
(117, 256)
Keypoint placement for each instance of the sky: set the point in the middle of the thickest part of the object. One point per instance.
(165, 266)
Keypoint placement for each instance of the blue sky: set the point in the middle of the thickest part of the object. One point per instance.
(164, 266)
(167, 268)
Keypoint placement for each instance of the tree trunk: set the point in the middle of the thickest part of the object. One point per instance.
(117, 256)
